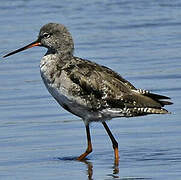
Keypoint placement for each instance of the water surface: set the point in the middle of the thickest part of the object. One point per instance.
(140, 40)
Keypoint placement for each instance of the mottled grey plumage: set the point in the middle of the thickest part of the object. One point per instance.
(86, 89)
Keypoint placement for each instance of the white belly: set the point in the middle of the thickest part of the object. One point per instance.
(60, 90)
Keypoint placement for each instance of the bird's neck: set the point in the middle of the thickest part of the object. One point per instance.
(63, 56)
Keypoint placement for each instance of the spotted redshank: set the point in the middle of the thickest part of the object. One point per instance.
(86, 89)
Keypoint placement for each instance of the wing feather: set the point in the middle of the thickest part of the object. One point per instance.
(104, 88)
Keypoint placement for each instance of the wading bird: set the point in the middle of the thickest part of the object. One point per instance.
(86, 89)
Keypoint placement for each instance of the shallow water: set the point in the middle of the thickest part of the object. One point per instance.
(40, 140)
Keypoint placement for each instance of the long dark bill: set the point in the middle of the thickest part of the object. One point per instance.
(35, 43)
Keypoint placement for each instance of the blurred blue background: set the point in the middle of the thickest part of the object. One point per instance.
(139, 39)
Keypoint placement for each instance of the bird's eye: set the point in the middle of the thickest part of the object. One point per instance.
(46, 35)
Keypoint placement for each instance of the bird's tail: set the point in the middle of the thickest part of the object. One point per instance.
(144, 111)
(158, 98)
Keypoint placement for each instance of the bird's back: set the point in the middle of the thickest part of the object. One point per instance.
(96, 90)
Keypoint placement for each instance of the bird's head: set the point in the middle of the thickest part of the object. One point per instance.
(53, 36)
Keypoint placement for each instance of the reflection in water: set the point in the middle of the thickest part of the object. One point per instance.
(90, 170)
(113, 175)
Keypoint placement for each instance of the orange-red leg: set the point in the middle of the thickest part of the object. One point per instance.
(89, 145)
(114, 143)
